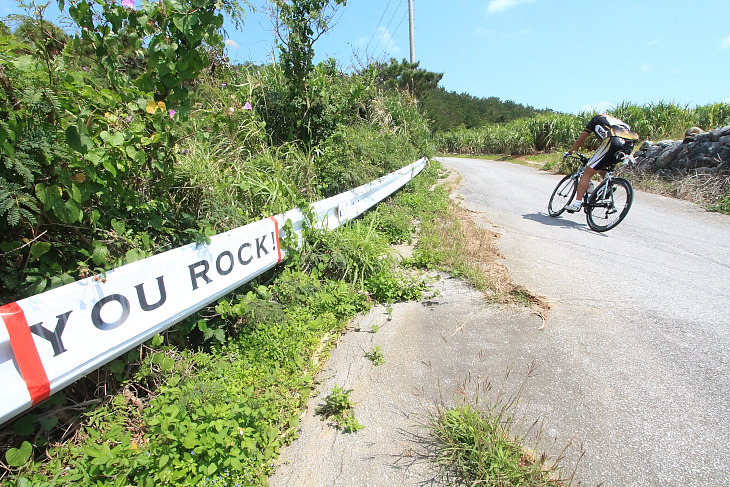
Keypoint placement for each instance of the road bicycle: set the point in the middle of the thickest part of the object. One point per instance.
(605, 206)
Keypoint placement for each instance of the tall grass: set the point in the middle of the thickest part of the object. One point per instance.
(228, 185)
(555, 131)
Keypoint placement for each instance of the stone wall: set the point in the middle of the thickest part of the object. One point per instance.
(699, 152)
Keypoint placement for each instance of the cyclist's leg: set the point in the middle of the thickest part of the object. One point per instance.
(602, 161)
(584, 182)
(596, 163)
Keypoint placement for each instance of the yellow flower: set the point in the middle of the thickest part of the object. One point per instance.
(152, 107)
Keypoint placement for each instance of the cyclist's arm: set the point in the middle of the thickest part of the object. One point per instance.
(583, 136)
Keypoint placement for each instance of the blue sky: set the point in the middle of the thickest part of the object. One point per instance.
(559, 54)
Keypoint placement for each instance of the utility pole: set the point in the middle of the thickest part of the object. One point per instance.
(410, 25)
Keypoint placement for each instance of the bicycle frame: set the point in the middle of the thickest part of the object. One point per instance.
(602, 207)
(604, 189)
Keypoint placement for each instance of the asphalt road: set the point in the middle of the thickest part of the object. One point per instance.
(641, 319)
(630, 372)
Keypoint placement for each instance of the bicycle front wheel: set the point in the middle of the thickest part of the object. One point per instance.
(562, 195)
(608, 205)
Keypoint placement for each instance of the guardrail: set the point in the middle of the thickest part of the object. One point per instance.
(52, 339)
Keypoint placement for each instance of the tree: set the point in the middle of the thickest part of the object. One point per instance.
(43, 34)
(449, 110)
(406, 76)
(299, 24)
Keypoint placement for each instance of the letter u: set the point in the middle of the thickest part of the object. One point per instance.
(143, 298)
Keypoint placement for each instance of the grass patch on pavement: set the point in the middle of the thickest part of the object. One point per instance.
(484, 442)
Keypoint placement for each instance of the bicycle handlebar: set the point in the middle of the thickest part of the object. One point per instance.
(626, 159)
(576, 155)
(622, 156)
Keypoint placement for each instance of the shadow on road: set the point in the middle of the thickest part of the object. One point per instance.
(546, 219)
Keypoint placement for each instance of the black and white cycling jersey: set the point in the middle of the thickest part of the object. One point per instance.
(607, 126)
(616, 135)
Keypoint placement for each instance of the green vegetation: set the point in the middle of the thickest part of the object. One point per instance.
(221, 411)
(554, 131)
(448, 110)
(476, 447)
(452, 241)
(445, 110)
(664, 120)
(135, 136)
(375, 355)
(338, 408)
(137, 146)
(405, 76)
(480, 440)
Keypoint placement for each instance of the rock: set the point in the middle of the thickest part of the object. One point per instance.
(708, 152)
(645, 145)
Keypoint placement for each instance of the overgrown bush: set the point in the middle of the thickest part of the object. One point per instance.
(89, 142)
(111, 156)
(391, 135)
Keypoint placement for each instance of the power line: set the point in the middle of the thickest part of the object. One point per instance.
(376, 28)
(386, 29)
(396, 30)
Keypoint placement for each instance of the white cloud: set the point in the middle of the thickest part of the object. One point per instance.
(384, 43)
(496, 6)
(725, 43)
(231, 43)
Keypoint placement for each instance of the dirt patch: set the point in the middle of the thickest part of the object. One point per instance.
(475, 254)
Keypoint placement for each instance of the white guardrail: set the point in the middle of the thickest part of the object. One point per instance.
(50, 340)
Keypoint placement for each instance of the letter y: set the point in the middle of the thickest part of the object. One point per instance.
(53, 336)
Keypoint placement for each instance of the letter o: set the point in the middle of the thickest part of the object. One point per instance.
(96, 312)
(218, 263)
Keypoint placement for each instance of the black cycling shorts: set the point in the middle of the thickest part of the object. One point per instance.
(605, 157)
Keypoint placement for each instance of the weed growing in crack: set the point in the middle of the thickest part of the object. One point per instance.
(338, 408)
(376, 356)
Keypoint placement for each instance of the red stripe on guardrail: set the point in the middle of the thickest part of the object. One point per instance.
(278, 240)
(26, 353)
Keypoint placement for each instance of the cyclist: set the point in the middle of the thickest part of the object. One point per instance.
(616, 137)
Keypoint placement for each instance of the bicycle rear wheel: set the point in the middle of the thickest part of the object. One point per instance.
(607, 206)
(562, 195)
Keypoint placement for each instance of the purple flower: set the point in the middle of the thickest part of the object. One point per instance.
(128, 3)
(172, 113)
(247, 106)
